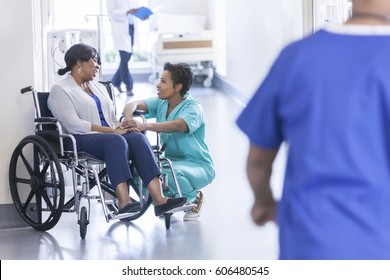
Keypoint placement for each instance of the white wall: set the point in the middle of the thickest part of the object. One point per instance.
(256, 30)
(17, 71)
(192, 7)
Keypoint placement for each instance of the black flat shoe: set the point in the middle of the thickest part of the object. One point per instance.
(130, 208)
(171, 203)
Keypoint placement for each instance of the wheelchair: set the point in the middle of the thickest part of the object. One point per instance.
(36, 176)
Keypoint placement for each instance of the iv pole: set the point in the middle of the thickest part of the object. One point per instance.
(99, 18)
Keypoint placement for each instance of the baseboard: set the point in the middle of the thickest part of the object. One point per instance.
(225, 87)
(10, 218)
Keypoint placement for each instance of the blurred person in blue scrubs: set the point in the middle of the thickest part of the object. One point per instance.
(327, 96)
(181, 124)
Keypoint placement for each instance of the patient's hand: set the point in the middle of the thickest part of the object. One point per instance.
(121, 130)
(125, 123)
(131, 124)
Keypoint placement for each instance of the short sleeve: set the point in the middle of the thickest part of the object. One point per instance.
(192, 114)
(152, 104)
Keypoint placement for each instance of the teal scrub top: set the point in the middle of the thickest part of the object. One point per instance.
(187, 146)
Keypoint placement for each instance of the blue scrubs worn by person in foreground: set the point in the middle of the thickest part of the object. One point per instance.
(84, 109)
(180, 120)
(328, 97)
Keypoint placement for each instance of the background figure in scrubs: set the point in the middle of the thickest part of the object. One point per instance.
(328, 97)
(123, 28)
(180, 120)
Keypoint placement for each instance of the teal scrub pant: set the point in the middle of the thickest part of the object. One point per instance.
(191, 177)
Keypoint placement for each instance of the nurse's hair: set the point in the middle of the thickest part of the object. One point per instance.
(181, 73)
(78, 52)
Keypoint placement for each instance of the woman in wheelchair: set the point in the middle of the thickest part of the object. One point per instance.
(180, 121)
(84, 109)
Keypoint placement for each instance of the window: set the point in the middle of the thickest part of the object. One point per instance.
(92, 15)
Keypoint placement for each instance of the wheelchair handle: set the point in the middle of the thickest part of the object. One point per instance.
(46, 120)
(26, 89)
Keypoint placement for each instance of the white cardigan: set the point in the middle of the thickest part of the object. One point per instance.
(76, 110)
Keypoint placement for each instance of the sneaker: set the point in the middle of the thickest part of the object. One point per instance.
(194, 212)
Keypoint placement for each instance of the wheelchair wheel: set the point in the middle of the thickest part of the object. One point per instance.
(83, 222)
(37, 183)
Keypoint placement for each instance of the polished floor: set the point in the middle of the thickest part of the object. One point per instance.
(223, 232)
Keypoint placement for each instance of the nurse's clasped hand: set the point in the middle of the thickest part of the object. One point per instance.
(132, 125)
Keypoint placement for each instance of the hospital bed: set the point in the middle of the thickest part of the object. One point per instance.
(183, 38)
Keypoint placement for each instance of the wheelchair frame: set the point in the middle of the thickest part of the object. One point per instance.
(37, 183)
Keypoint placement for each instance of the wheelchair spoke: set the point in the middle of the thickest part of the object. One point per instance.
(26, 164)
(44, 169)
(27, 202)
(54, 189)
(48, 201)
(24, 181)
(39, 207)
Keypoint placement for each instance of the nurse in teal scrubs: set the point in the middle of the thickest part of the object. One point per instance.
(180, 122)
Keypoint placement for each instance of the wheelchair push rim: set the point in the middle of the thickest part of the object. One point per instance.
(37, 183)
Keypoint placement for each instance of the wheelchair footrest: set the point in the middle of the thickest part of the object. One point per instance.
(113, 214)
(123, 216)
(184, 208)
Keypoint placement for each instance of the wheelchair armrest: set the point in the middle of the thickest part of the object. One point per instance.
(139, 113)
(46, 120)
(74, 146)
